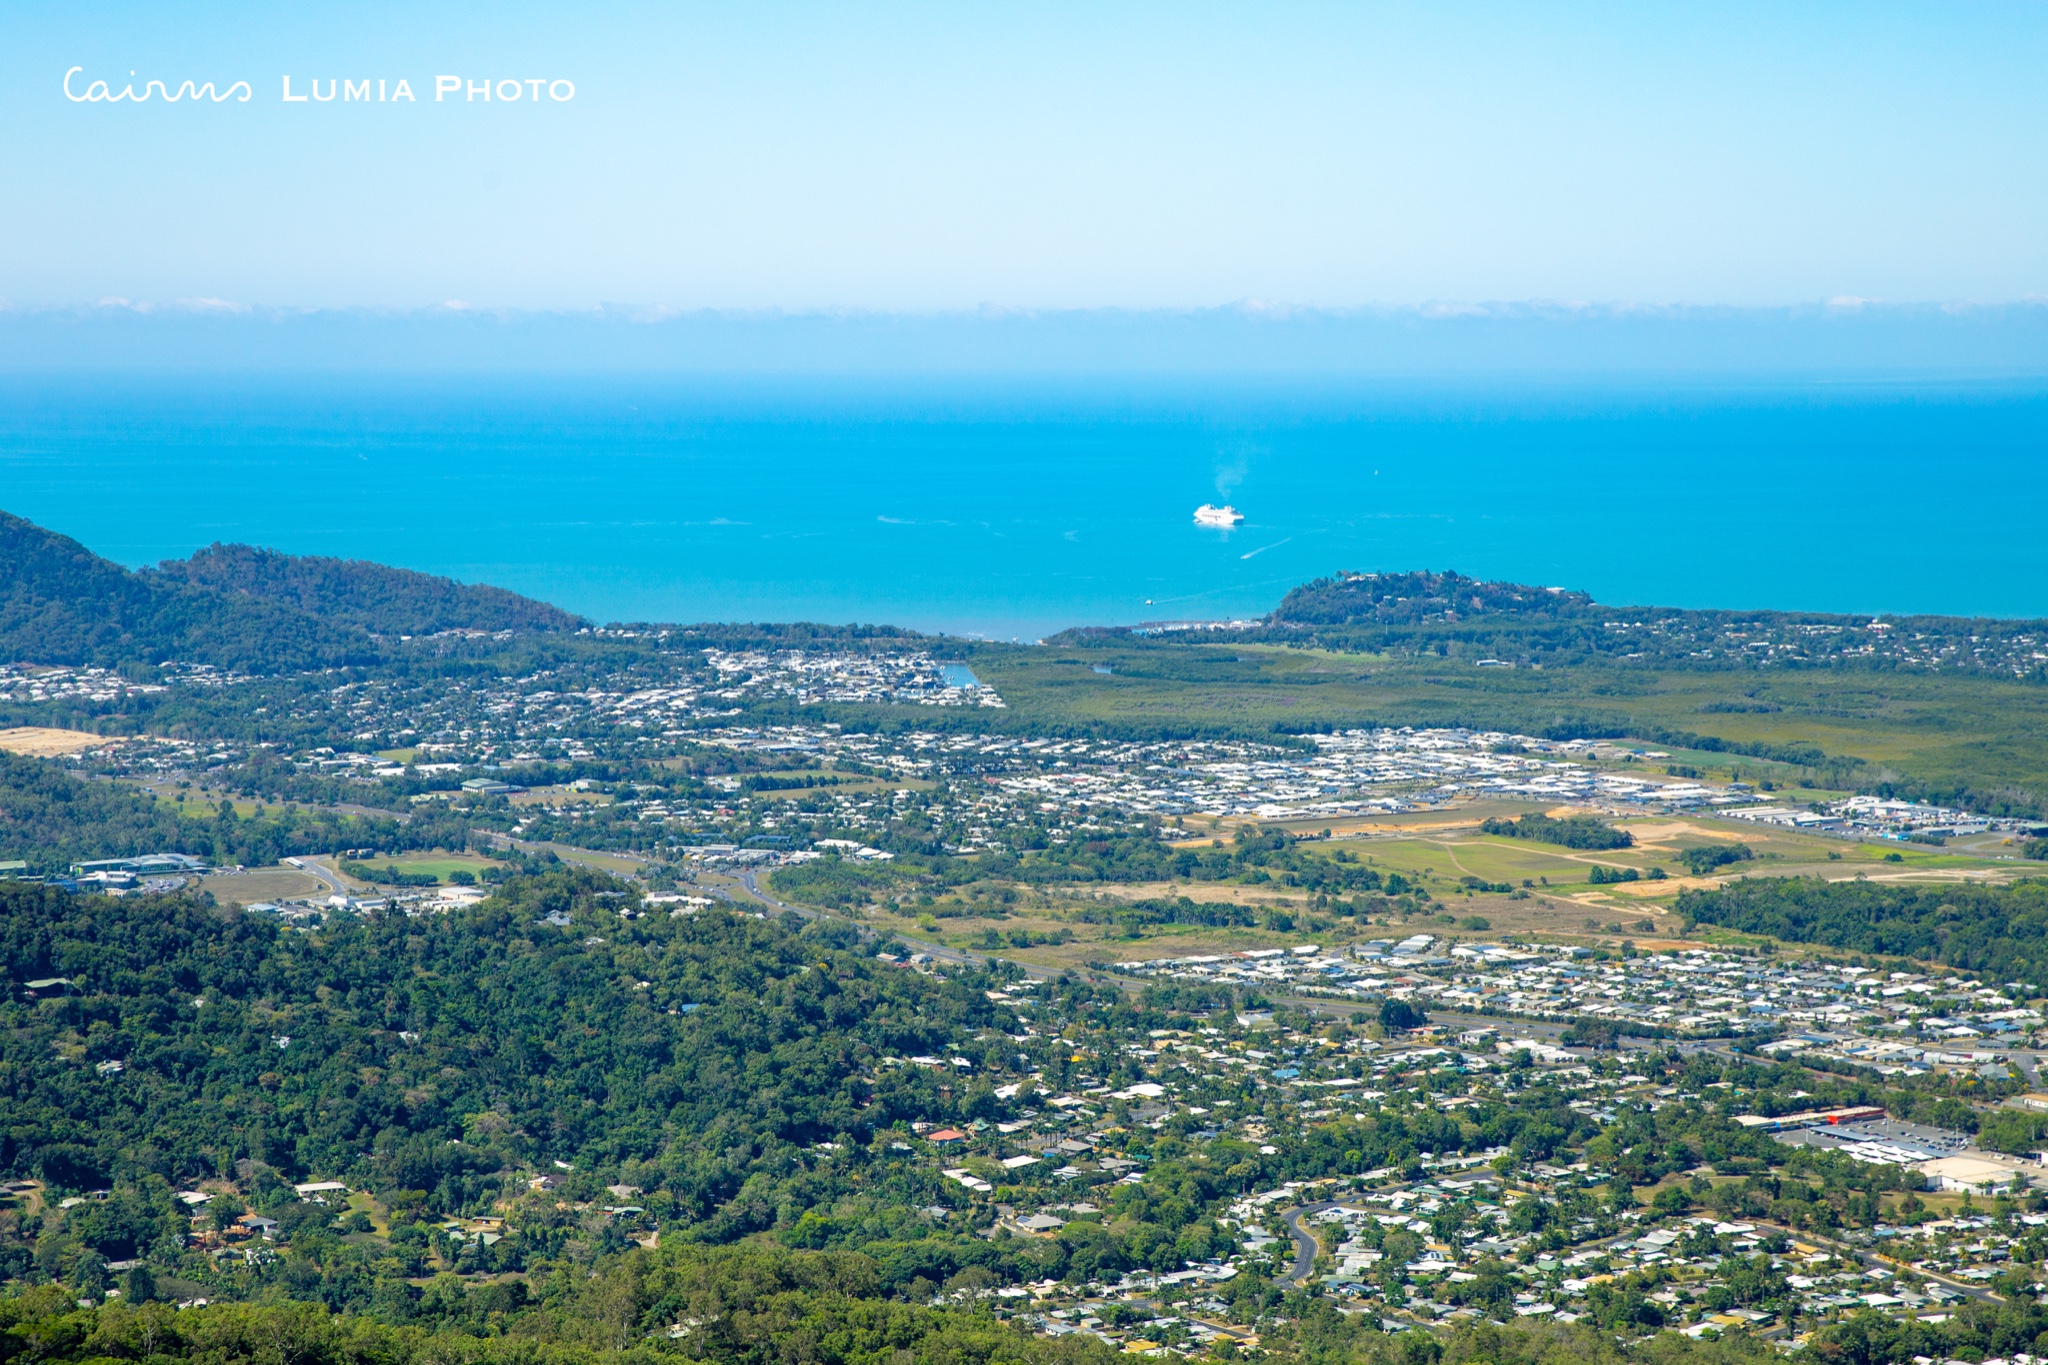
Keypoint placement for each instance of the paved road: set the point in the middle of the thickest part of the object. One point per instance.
(1306, 1247)
(331, 880)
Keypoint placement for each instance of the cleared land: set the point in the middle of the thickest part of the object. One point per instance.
(40, 741)
(261, 884)
(619, 864)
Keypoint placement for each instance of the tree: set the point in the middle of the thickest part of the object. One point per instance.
(1593, 1033)
(1399, 1015)
(1576, 831)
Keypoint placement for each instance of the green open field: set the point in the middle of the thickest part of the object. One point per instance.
(199, 803)
(618, 864)
(437, 864)
(1465, 852)
(1935, 733)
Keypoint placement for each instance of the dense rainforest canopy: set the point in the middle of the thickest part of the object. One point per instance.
(705, 1045)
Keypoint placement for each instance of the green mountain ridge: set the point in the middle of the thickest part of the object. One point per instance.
(230, 606)
(357, 592)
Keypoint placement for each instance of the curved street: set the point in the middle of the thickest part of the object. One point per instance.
(1306, 1247)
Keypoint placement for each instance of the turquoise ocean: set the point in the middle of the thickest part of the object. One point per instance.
(1012, 510)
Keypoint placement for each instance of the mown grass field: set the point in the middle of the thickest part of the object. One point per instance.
(440, 865)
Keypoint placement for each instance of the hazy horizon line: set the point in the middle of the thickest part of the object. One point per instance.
(1836, 338)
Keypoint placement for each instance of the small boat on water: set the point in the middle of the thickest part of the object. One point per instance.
(1225, 516)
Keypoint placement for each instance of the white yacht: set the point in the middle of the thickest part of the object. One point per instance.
(1225, 516)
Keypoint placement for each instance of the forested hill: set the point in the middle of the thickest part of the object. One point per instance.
(232, 606)
(701, 1056)
(356, 592)
(1516, 623)
(1390, 600)
(62, 604)
(1473, 620)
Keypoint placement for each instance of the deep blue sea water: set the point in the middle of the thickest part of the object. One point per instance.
(1012, 511)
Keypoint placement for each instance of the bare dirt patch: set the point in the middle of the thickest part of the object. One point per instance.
(1668, 886)
(40, 741)
(1580, 915)
(1665, 833)
(1149, 948)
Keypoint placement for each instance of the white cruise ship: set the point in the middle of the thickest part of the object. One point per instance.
(1225, 516)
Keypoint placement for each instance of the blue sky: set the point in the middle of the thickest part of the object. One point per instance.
(1035, 155)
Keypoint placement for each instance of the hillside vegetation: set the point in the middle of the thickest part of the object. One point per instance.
(778, 1308)
(62, 604)
(581, 1075)
(710, 1047)
(234, 607)
(356, 592)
